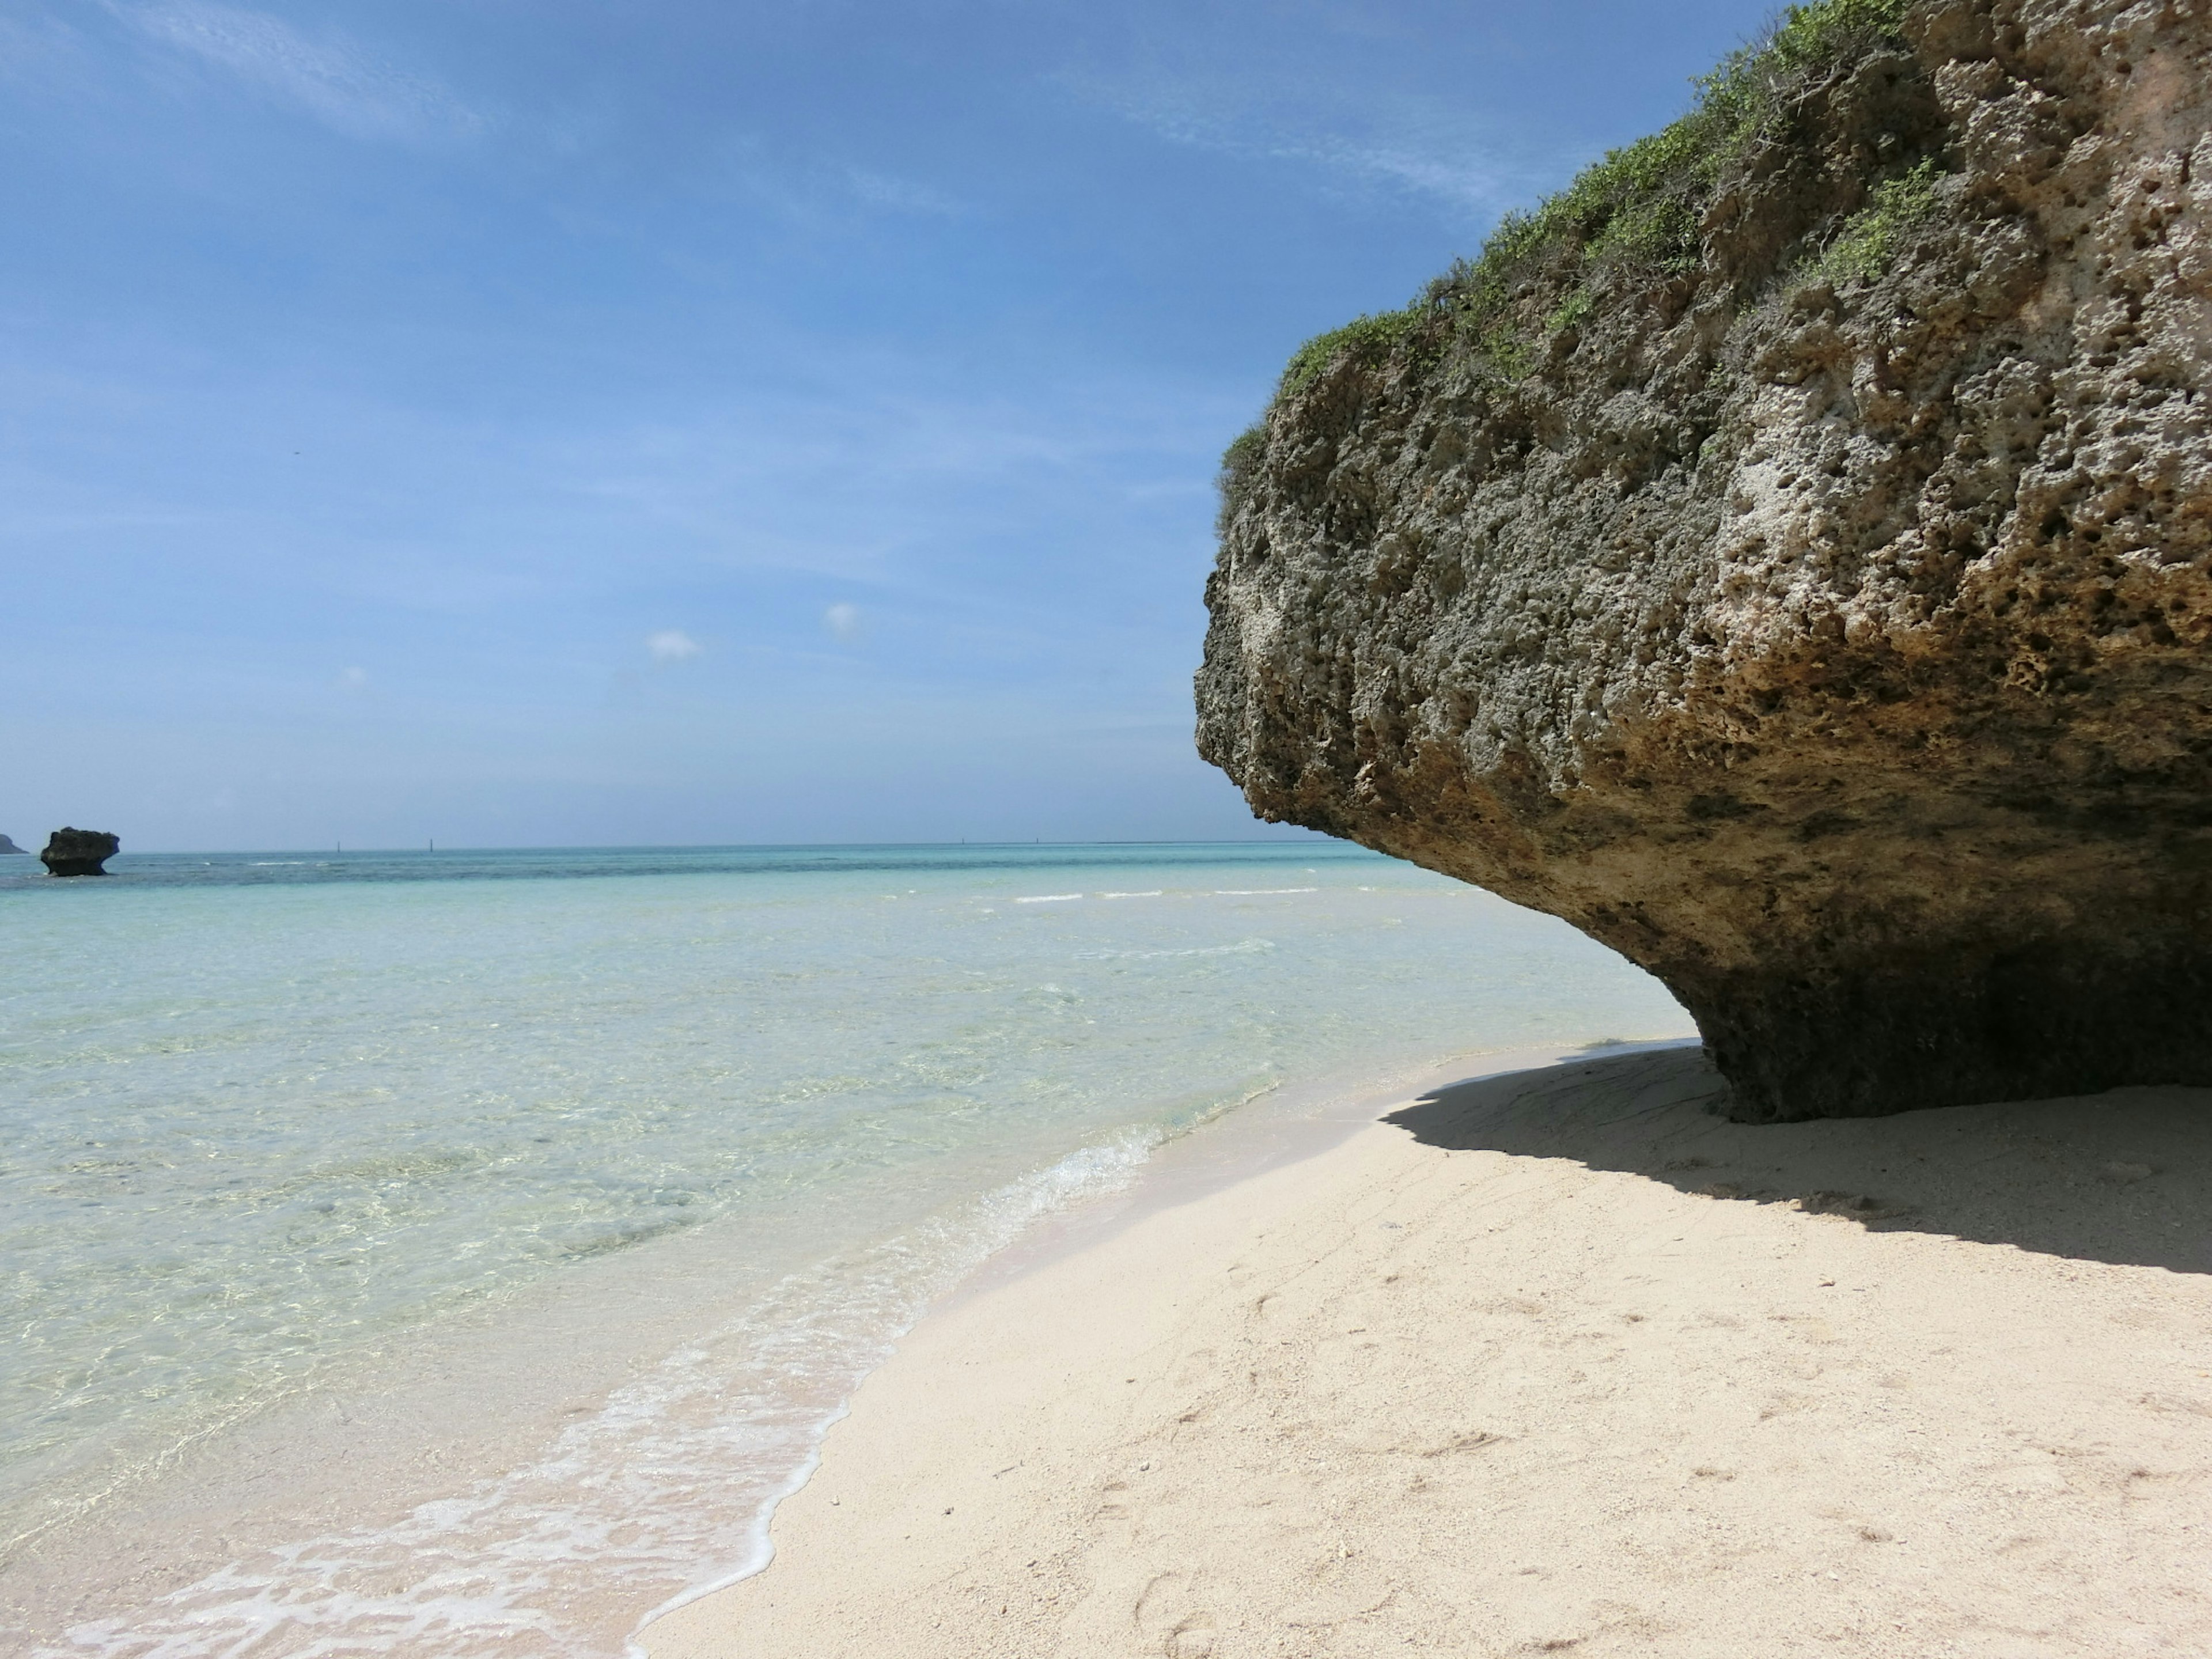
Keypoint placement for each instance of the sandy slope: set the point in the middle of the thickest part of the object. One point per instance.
(1559, 1362)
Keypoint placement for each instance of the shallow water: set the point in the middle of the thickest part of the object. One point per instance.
(278, 1123)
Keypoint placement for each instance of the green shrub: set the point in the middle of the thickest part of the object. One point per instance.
(1815, 36)
(1570, 310)
(1864, 247)
(1372, 337)
(1638, 208)
(1502, 349)
(1239, 462)
(1742, 91)
(1639, 205)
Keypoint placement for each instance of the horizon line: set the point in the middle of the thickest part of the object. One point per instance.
(339, 850)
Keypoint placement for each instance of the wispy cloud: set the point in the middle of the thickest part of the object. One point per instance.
(902, 195)
(1396, 142)
(822, 192)
(885, 466)
(672, 645)
(843, 620)
(331, 79)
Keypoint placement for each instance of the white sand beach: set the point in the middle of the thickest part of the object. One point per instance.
(1557, 1361)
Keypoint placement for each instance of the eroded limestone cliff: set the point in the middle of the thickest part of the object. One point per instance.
(1786, 555)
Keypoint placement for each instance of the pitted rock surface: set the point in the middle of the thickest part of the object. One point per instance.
(1837, 650)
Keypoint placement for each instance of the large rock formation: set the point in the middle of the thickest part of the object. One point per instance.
(8, 847)
(79, 852)
(1784, 555)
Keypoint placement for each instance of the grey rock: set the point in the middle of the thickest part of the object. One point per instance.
(79, 852)
(8, 847)
(1824, 630)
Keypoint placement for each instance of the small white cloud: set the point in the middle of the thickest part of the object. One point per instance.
(672, 645)
(352, 679)
(335, 81)
(842, 620)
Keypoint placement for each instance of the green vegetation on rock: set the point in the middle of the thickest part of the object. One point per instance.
(1865, 247)
(1238, 463)
(1370, 337)
(1638, 211)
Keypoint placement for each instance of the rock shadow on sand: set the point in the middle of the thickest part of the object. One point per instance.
(2123, 1177)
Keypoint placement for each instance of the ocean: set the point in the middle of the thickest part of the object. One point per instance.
(460, 1252)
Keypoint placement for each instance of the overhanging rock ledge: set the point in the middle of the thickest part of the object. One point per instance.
(1785, 557)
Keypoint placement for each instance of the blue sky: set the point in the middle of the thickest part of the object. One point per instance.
(541, 422)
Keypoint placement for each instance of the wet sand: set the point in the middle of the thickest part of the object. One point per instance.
(1556, 1362)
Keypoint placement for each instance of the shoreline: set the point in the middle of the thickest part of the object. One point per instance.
(201, 1547)
(1287, 1124)
(1549, 1360)
(1284, 1127)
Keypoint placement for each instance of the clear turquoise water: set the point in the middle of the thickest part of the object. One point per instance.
(267, 1114)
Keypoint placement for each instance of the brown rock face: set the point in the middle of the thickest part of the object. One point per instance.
(79, 852)
(1814, 606)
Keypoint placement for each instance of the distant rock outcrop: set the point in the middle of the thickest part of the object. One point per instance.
(1787, 556)
(79, 852)
(8, 847)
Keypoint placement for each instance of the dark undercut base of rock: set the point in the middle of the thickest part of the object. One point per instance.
(2068, 1017)
(1788, 557)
